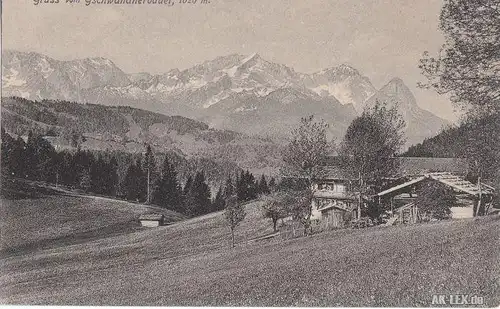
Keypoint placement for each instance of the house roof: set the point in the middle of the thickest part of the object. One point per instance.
(419, 166)
(402, 186)
(151, 217)
(453, 181)
(345, 207)
(334, 172)
(408, 166)
(334, 195)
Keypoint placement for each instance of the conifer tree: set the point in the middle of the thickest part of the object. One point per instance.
(169, 192)
(98, 174)
(39, 155)
(149, 170)
(21, 163)
(251, 186)
(7, 144)
(113, 178)
(85, 180)
(240, 187)
(80, 165)
(198, 197)
(263, 187)
(130, 183)
(13, 155)
(219, 202)
(272, 184)
(142, 183)
(187, 185)
(203, 196)
(246, 189)
(134, 184)
(29, 155)
(229, 189)
(65, 173)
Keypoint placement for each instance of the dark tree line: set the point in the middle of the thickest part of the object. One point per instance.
(476, 140)
(143, 181)
(36, 159)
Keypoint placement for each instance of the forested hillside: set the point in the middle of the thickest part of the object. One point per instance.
(475, 139)
(68, 125)
(117, 151)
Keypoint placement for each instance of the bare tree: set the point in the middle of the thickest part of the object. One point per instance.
(234, 214)
(303, 157)
(277, 205)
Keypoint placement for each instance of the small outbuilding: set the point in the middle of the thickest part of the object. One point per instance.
(469, 196)
(152, 220)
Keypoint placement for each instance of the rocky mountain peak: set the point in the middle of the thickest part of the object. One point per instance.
(252, 56)
(397, 83)
(341, 71)
(223, 91)
(396, 93)
(346, 69)
(397, 90)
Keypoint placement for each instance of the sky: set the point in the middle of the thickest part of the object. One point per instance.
(381, 38)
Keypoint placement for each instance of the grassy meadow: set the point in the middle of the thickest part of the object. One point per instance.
(76, 250)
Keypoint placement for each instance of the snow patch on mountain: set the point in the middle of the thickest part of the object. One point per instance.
(344, 83)
(12, 79)
(215, 91)
(339, 91)
(46, 68)
(232, 72)
(196, 83)
(245, 109)
(216, 99)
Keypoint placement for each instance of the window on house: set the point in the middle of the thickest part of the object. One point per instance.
(340, 187)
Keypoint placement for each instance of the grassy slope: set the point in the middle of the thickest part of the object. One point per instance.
(189, 263)
(35, 217)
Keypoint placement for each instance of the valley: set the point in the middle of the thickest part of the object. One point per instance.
(126, 129)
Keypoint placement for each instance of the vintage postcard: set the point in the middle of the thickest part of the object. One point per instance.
(319, 153)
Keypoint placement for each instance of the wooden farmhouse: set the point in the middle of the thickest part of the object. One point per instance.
(152, 220)
(335, 204)
(401, 198)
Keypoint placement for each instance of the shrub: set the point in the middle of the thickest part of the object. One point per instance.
(435, 199)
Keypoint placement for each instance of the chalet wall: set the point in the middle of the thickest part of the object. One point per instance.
(149, 223)
(462, 212)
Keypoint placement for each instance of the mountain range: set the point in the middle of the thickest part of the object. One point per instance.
(240, 93)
